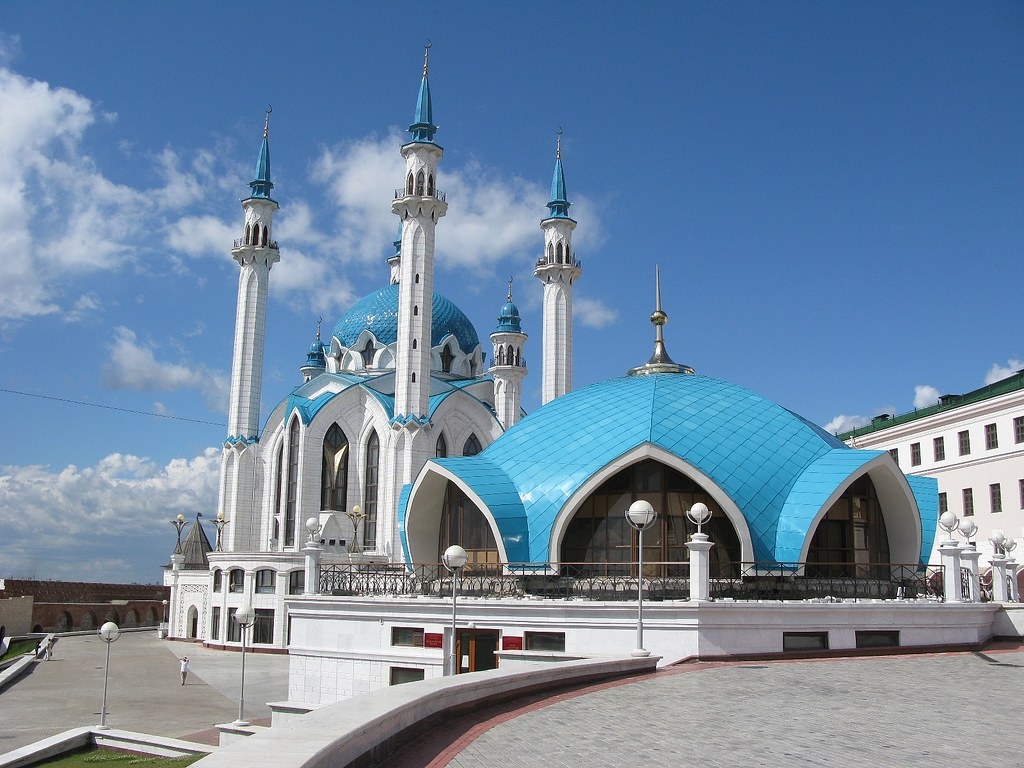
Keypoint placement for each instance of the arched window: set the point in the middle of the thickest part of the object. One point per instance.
(851, 535)
(367, 353)
(551, 252)
(510, 356)
(266, 234)
(266, 581)
(278, 485)
(599, 540)
(414, 344)
(291, 500)
(217, 579)
(408, 184)
(430, 185)
(415, 310)
(472, 446)
(334, 473)
(501, 356)
(462, 523)
(370, 489)
(441, 451)
(419, 183)
(248, 234)
(236, 580)
(558, 253)
(518, 358)
(447, 358)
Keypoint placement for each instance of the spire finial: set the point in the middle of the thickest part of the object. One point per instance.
(266, 123)
(510, 287)
(319, 320)
(426, 57)
(558, 144)
(660, 362)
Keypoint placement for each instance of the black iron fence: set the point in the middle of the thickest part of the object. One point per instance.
(661, 581)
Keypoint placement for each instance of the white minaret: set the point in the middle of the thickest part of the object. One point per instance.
(508, 363)
(558, 269)
(256, 252)
(419, 205)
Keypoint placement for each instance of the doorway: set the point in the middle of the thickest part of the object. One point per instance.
(476, 649)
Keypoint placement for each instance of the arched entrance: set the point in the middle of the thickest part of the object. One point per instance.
(192, 622)
(851, 535)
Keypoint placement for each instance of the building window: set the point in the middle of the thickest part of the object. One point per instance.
(940, 448)
(995, 494)
(218, 578)
(447, 358)
(263, 627)
(968, 502)
(472, 446)
(265, 581)
(991, 437)
(805, 641)
(915, 454)
(1018, 429)
(408, 636)
(236, 580)
(215, 624)
(401, 675)
(894, 452)
(291, 502)
(234, 633)
(964, 440)
(296, 582)
(943, 504)
(370, 492)
(334, 471)
(544, 641)
(877, 638)
(441, 451)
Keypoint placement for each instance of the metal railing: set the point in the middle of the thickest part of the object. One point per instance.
(240, 243)
(823, 582)
(403, 192)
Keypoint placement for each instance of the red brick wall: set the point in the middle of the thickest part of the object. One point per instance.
(62, 606)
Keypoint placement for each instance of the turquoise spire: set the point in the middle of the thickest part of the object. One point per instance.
(559, 205)
(261, 184)
(423, 128)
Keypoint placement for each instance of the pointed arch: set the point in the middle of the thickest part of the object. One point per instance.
(371, 488)
(265, 238)
(441, 449)
(334, 470)
(446, 359)
(248, 234)
(420, 183)
(430, 185)
(291, 503)
(558, 254)
(472, 446)
(409, 184)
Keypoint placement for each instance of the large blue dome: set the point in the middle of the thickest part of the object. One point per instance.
(378, 313)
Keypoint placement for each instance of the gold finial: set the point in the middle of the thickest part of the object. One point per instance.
(658, 318)
(510, 287)
(558, 144)
(660, 362)
(426, 57)
(266, 123)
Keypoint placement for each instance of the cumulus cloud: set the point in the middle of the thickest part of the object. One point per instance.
(134, 366)
(593, 313)
(925, 395)
(844, 423)
(999, 372)
(122, 498)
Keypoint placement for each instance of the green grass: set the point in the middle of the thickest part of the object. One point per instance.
(93, 756)
(17, 648)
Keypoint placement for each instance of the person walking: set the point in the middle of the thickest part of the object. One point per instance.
(184, 669)
(49, 648)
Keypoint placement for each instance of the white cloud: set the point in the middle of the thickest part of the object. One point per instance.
(999, 372)
(123, 497)
(844, 423)
(925, 395)
(593, 313)
(86, 305)
(134, 366)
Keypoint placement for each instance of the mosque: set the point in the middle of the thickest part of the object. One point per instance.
(404, 437)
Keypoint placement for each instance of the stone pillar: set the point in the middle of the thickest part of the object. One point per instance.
(312, 552)
(1011, 580)
(950, 554)
(177, 560)
(700, 567)
(969, 555)
(998, 563)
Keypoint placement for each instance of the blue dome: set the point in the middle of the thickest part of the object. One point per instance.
(509, 320)
(378, 313)
(776, 467)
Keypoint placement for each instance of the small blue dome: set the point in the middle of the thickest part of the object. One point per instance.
(508, 319)
(317, 357)
(378, 313)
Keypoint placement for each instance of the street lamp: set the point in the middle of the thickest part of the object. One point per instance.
(245, 617)
(640, 515)
(220, 522)
(178, 523)
(454, 559)
(108, 633)
(949, 522)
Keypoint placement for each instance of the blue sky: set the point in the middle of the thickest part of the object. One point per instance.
(833, 192)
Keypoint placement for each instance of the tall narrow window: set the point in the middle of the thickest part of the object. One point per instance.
(447, 358)
(1020, 485)
(940, 449)
(334, 474)
(915, 454)
(419, 183)
(1018, 429)
(991, 437)
(943, 504)
(430, 185)
(266, 236)
(278, 484)
(441, 451)
(370, 492)
(964, 441)
(472, 446)
(408, 184)
(248, 234)
(995, 494)
(968, 502)
(895, 453)
(367, 353)
(291, 500)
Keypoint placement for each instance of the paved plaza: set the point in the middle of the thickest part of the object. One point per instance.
(940, 710)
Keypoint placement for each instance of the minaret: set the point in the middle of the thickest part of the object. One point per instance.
(256, 252)
(508, 363)
(558, 269)
(316, 358)
(419, 205)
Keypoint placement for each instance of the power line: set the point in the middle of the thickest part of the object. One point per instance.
(111, 407)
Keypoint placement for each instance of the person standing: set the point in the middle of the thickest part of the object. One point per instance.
(49, 648)
(184, 669)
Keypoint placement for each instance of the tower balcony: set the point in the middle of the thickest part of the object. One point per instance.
(550, 261)
(240, 243)
(402, 192)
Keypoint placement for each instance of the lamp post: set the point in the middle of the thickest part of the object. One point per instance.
(700, 559)
(970, 555)
(454, 559)
(220, 522)
(640, 515)
(949, 553)
(178, 523)
(244, 617)
(108, 633)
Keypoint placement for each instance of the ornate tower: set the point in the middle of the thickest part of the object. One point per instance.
(509, 363)
(256, 252)
(419, 204)
(558, 270)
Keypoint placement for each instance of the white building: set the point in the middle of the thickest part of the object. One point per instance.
(972, 444)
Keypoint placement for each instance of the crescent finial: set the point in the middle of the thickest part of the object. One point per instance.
(266, 123)
(426, 56)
